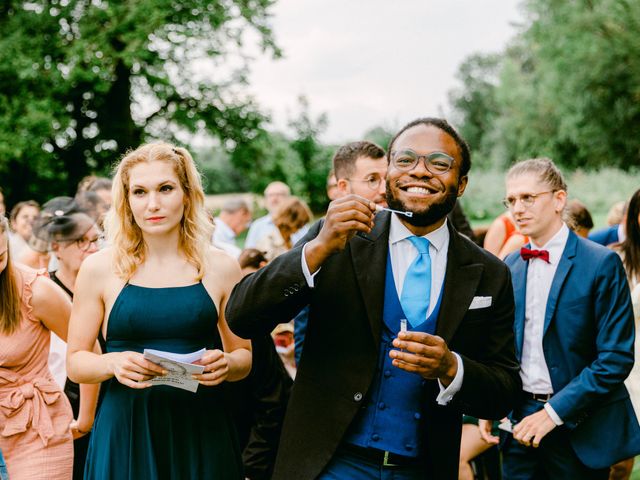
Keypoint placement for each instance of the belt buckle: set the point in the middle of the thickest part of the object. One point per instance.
(542, 397)
(385, 462)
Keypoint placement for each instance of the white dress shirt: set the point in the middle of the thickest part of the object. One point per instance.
(259, 228)
(403, 253)
(533, 366)
(225, 238)
(622, 234)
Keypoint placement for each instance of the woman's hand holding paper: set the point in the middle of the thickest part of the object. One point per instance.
(216, 368)
(132, 369)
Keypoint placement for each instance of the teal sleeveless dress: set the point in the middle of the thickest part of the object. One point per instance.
(163, 432)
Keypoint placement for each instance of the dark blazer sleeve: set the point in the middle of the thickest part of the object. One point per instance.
(272, 295)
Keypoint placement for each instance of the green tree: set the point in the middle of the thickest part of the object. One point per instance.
(588, 64)
(379, 135)
(474, 104)
(568, 87)
(315, 158)
(268, 157)
(82, 81)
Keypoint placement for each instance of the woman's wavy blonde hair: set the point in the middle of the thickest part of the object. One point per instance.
(125, 235)
(10, 298)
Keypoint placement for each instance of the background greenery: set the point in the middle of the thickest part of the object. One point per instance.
(81, 82)
(598, 189)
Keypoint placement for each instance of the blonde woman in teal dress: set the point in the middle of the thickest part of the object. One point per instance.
(159, 285)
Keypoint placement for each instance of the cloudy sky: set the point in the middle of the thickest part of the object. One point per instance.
(374, 62)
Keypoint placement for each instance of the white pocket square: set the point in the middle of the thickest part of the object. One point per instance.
(480, 302)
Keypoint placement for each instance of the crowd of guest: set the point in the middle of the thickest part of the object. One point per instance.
(520, 365)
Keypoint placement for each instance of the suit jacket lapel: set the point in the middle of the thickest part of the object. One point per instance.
(564, 266)
(519, 281)
(369, 255)
(460, 283)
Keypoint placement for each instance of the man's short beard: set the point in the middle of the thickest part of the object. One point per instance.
(433, 214)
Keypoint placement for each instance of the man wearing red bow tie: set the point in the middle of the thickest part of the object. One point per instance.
(574, 337)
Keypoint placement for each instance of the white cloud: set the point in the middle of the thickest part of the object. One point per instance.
(374, 62)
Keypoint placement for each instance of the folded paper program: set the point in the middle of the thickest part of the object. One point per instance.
(179, 368)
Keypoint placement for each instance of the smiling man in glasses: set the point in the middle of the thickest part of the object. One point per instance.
(574, 338)
(372, 400)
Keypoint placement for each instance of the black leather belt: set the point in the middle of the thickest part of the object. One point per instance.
(380, 457)
(539, 397)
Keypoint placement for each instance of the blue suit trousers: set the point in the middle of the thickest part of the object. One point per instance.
(347, 466)
(553, 459)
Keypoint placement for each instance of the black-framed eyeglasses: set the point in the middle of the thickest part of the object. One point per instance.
(436, 162)
(85, 243)
(372, 182)
(527, 199)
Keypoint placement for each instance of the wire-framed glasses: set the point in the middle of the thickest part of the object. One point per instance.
(436, 162)
(527, 199)
(373, 181)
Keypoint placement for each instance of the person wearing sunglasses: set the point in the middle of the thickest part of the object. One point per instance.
(574, 339)
(372, 400)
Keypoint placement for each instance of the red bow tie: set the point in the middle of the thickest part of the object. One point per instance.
(527, 254)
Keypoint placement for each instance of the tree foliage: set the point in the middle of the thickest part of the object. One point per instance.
(315, 158)
(475, 102)
(568, 86)
(299, 159)
(380, 135)
(81, 81)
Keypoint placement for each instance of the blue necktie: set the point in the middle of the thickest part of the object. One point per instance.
(416, 290)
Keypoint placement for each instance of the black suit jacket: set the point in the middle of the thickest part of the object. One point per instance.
(339, 360)
(258, 403)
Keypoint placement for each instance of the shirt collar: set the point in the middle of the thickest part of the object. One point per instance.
(555, 245)
(398, 232)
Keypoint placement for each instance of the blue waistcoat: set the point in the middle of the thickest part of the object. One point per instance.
(391, 417)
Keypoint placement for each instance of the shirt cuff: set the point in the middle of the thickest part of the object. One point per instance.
(305, 269)
(552, 413)
(446, 394)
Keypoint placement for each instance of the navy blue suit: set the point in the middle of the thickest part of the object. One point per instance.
(588, 347)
